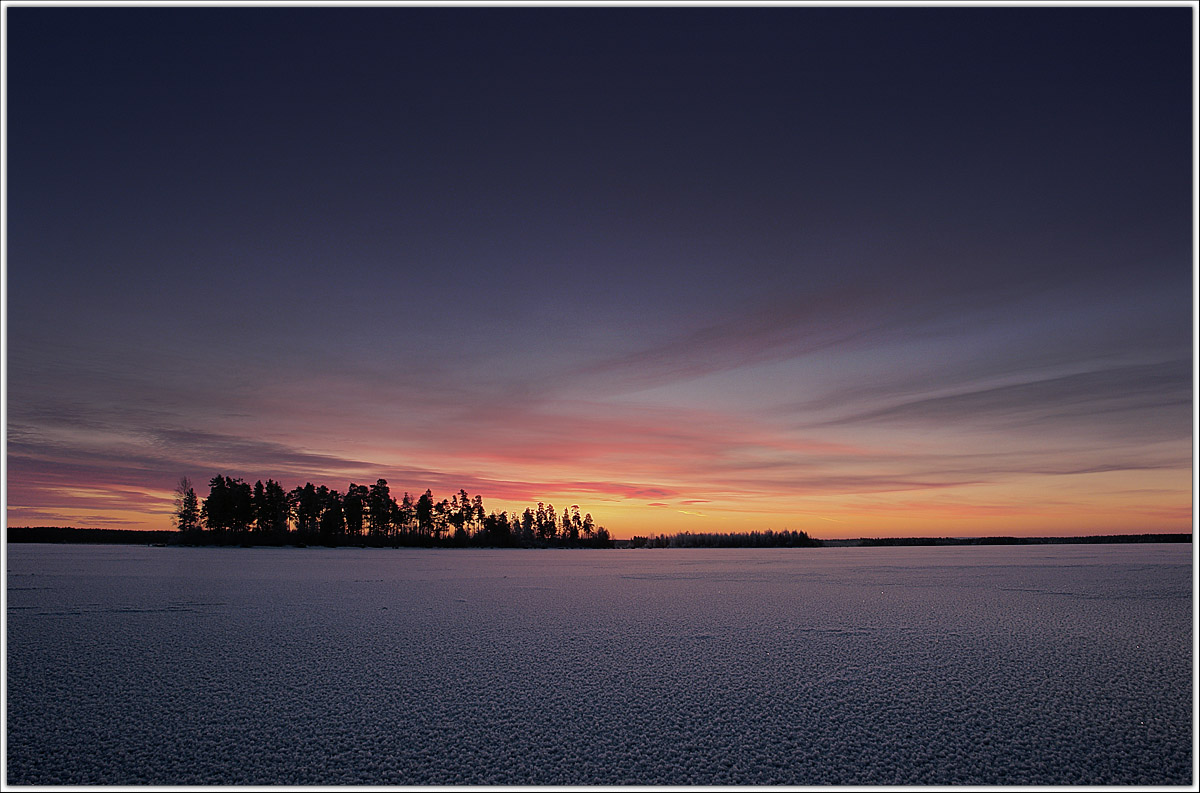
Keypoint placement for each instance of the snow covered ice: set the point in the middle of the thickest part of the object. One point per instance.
(1058, 664)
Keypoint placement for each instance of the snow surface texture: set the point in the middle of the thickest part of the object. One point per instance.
(986, 665)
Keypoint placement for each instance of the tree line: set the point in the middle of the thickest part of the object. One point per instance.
(754, 539)
(264, 513)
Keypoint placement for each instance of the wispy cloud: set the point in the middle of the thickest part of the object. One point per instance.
(1160, 390)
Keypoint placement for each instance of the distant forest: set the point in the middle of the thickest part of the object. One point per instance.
(236, 512)
(66, 534)
(754, 539)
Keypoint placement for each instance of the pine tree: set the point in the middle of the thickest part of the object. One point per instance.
(379, 509)
(187, 507)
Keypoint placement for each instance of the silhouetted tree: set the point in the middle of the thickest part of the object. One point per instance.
(187, 507)
(333, 521)
(259, 500)
(456, 514)
(396, 524)
(242, 505)
(464, 508)
(497, 530)
(406, 514)
(379, 509)
(274, 510)
(306, 506)
(477, 513)
(425, 514)
(229, 506)
(217, 508)
(441, 518)
(354, 505)
(527, 524)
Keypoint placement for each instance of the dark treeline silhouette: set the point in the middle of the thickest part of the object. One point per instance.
(69, 534)
(754, 539)
(1091, 539)
(265, 514)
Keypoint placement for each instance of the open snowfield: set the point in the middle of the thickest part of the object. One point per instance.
(996, 665)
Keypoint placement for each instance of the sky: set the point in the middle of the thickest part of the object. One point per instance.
(853, 271)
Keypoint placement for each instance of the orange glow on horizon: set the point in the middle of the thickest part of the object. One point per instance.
(641, 471)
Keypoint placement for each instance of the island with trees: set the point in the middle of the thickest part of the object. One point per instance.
(237, 513)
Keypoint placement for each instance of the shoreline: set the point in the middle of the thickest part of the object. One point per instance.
(89, 536)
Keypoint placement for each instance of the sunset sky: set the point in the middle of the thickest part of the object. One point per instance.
(852, 271)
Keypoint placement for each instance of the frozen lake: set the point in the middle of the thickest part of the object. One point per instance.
(1061, 664)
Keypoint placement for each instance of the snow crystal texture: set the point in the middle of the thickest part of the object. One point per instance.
(986, 665)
